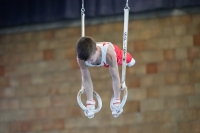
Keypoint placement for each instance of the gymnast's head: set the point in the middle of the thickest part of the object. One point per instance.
(85, 48)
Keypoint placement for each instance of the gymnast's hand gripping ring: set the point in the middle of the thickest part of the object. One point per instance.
(82, 91)
(120, 109)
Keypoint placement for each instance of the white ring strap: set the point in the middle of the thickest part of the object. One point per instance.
(124, 97)
(125, 38)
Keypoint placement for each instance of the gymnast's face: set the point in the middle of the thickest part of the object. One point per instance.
(93, 57)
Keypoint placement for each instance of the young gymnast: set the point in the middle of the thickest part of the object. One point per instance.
(90, 53)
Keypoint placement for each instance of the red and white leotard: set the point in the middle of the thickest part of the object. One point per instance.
(119, 53)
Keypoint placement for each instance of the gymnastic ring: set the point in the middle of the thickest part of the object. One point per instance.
(82, 91)
(124, 88)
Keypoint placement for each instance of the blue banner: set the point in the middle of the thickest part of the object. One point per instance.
(24, 12)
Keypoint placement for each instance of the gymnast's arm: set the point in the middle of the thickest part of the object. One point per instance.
(113, 68)
(86, 79)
